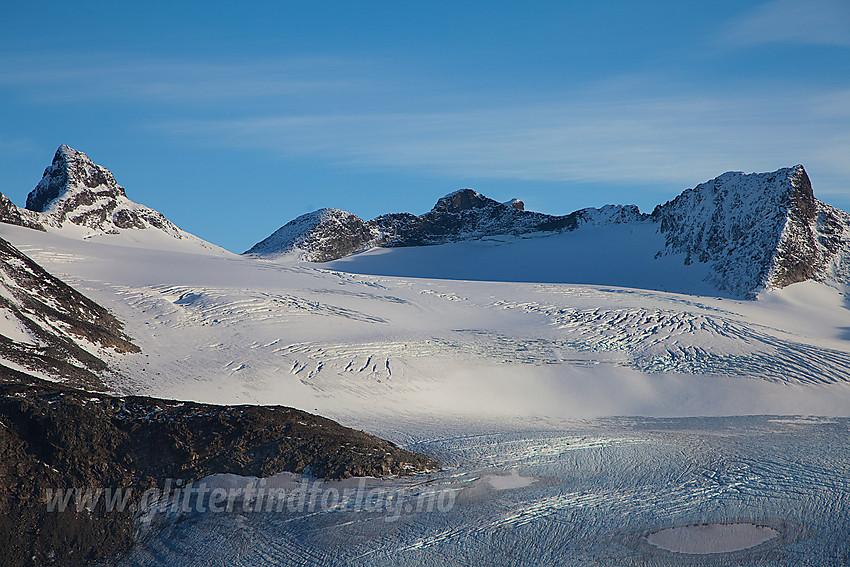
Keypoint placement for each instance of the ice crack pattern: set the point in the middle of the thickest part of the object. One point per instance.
(658, 340)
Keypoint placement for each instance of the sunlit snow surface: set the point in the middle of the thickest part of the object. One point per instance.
(489, 377)
(600, 489)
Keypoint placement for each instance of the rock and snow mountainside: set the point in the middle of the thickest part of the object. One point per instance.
(757, 231)
(466, 215)
(751, 231)
(326, 234)
(81, 199)
(75, 190)
(50, 330)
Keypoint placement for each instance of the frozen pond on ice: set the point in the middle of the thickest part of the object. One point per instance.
(574, 493)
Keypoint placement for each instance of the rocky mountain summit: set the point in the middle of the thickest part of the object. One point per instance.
(754, 231)
(75, 190)
(759, 230)
(80, 199)
(329, 234)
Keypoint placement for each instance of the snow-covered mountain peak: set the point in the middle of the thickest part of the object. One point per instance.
(318, 236)
(72, 172)
(756, 230)
(76, 191)
(80, 199)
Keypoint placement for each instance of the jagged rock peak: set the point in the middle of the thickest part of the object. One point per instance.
(76, 191)
(757, 230)
(71, 169)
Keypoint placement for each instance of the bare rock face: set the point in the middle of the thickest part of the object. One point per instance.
(76, 191)
(759, 230)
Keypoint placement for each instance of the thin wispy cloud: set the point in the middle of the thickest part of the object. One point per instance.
(71, 78)
(822, 22)
(628, 130)
(669, 139)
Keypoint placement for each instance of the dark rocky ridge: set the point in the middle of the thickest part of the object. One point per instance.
(54, 437)
(54, 321)
(329, 234)
(11, 214)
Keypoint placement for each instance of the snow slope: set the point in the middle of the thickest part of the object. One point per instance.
(518, 388)
(238, 329)
(51, 331)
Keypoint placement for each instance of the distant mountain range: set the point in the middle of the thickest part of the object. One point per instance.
(753, 231)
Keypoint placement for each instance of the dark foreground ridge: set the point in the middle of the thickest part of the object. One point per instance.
(53, 437)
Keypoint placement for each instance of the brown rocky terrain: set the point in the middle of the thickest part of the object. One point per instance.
(53, 437)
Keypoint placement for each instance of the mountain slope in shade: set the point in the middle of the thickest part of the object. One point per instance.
(50, 330)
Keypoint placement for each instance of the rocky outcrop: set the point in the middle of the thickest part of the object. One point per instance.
(756, 231)
(11, 214)
(320, 236)
(50, 329)
(57, 438)
(329, 234)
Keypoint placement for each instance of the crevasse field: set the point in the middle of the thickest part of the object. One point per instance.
(518, 388)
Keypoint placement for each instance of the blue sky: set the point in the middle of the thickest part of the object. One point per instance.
(232, 120)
